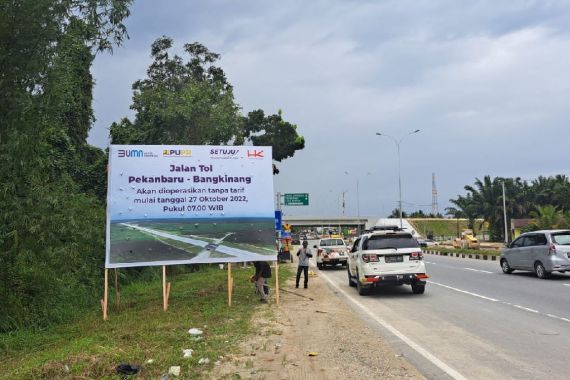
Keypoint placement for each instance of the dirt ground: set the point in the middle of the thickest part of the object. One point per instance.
(307, 322)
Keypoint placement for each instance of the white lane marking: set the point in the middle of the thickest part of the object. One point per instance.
(566, 284)
(419, 349)
(465, 291)
(501, 302)
(556, 317)
(478, 270)
(526, 308)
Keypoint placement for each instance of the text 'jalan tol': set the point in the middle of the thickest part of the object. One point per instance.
(192, 169)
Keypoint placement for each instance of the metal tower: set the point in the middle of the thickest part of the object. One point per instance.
(434, 209)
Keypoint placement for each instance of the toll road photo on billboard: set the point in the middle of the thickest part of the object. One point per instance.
(189, 204)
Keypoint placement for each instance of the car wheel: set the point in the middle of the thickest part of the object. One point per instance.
(418, 288)
(541, 271)
(320, 266)
(350, 279)
(362, 290)
(506, 267)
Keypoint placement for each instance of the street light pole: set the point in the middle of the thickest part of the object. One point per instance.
(505, 214)
(398, 142)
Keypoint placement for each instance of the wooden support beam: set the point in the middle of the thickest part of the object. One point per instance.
(165, 289)
(230, 284)
(104, 301)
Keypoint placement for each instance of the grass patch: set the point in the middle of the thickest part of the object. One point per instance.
(441, 227)
(91, 348)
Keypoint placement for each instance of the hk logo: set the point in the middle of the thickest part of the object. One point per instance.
(255, 153)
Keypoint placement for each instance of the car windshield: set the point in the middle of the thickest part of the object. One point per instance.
(331, 242)
(561, 239)
(389, 241)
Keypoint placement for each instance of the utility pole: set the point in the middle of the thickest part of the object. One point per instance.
(505, 214)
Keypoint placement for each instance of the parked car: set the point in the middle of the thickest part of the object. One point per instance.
(386, 258)
(542, 252)
(331, 251)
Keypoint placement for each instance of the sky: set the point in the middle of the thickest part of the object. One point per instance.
(485, 82)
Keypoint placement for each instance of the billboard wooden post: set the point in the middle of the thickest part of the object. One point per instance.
(165, 289)
(277, 282)
(230, 284)
(105, 295)
(117, 293)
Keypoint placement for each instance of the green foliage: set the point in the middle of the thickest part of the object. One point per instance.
(484, 252)
(181, 103)
(548, 217)
(51, 225)
(273, 131)
(547, 199)
(191, 102)
(396, 214)
(442, 227)
(421, 214)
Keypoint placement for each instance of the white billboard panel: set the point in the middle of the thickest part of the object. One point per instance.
(187, 204)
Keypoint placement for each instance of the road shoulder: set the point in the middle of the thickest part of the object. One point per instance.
(313, 334)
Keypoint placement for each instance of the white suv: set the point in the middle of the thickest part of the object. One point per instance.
(386, 258)
(331, 251)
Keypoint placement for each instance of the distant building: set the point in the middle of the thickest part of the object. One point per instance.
(517, 225)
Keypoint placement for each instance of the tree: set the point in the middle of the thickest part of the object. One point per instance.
(51, 233)
(192, 103)
(396, 214)
(547, 217)
(273, 131)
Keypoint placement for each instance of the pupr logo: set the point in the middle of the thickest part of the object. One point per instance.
(176, 153)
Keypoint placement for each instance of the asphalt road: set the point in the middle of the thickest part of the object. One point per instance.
(473, 322)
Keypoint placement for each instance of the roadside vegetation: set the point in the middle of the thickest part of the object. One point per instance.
(482, 252)
(441, 227)
(141, 333)
(53, 183)
(546, 200)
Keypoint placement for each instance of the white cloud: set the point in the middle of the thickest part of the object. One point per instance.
(485, 81)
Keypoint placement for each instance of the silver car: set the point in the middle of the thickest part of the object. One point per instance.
(540, 251)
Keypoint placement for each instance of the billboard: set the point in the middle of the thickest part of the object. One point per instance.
(174, 204)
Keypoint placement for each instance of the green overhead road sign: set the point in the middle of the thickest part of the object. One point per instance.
(298, 199)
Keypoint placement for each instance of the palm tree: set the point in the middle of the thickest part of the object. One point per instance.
(547, 217)
(465, 208)
(487, 198)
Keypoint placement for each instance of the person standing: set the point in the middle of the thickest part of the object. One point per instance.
(303, 254)
(262, 273)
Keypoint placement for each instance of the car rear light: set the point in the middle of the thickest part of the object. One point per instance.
(416, 255)
(552, 249)
(369, 258)
(420, 276)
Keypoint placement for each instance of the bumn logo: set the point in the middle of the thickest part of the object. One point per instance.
(131, 153)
